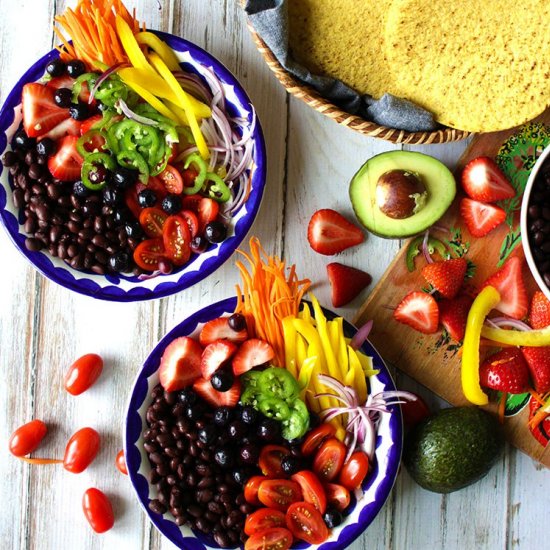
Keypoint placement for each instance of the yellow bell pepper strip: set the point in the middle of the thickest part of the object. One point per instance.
(304, 378)
(289, 333)
(342, 349)
(165, 52)
(154, 102)
(131, 47)
(367, 365)
(184, 101)
(532, 338)
(359, 381)
(485, 301)
(301, 350)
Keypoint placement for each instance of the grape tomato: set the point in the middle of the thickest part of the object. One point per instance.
(83, 373)
(27, 437)
(81, 450)
(98, 510)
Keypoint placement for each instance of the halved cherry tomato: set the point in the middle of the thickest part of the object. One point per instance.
(262, 519)
(121, 463)
(172, 180)
(337, 496)
(154, 183)
(414, 412)
(312, 490)
(316, 437)
(329, 459)
(208, 211)
(191, 202)
(306, 523)
(189, 175)
(148, 253)
(251, 489)
(177, 240)
(276, 538)
(279, 493)
(81, 450)
(354, 470)
(83, 373)
(270, 460)
(98, 510)
(152, 220)
(27, 437)
(192, 221)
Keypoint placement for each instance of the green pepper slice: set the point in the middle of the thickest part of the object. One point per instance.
(278, 382)
(434, 245)
(218, 190)
(110, 91)
(86, 78)
(90, 165)
(134, 161)
(273, 407)
(297, 424)
(200, 164)
(88, 139)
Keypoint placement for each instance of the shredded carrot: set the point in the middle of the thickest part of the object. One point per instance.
(542, 412)
(40, 460)
(91, 27)
(268, 296)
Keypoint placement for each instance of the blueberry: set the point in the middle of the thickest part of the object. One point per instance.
(120, 261)
(199, 244)
(332, 518)
(75, 68)
(22, 141)
(223, 458)
(171, 204)
(249, 415)
(222, 416)
(56, 67)
(79, 111)
(249, 453)
(222, 380)
(46, 146)
(290, 464)
(63, 97)
(124, 177)
(215, 232)
(80, 190)
(147, 198)
(241, 476)
(207, 434)
(133, 229)
(237, 322)
(111, 196)
(120, 215)
(269, 429)
(237, 429)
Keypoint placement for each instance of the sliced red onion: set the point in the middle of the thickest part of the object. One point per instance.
(134, 116)
(441, 228)
(103, 77)
(500, 322)
(248, 134)
(360, 337)
(425, 250)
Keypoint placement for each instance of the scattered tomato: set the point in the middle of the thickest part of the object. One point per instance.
(81, 450)
(337, 496)
(312, 490)
(414, 412)
(152, 220)
(270, 460)
(262, 519)
(172, 180)
(98, 510)
(354, 470)
(83, 373)
(121, 463)
(279, 493)
(306, 523)
(329, 459)
(148, 253)
(27, 437)
(316, 437)
(276, 538)
(177, 240)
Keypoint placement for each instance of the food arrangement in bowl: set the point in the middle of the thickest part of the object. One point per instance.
(263, 420)
(133, 161)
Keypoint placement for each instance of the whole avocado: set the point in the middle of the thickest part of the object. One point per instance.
(453, 448)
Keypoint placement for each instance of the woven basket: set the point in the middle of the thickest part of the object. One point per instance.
(357, 123)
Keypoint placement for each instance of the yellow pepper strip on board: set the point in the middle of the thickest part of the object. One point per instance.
(165, 52)
(485, 301)
(533, 338)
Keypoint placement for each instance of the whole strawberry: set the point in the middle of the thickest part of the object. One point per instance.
(538, 361)
(446, 276)
(505, 371)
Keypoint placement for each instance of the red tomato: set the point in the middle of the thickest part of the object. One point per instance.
(329, 459)
(279, 493)
(251, 489)
(208, 211)
(172, 180)
(148, 253)
(98, 510)
(312, 490)
(414, 412)
(354, 470)
(152, 220)
(262, 519)
(270, 460)
(191, 202)
(155, 184)
(192, 221)
(306, 523)
(189, 177)
(314, 438)
(83, 373)
(121, 463)
(81, 450)
(27, 437)
(276, 538)
(177, 240)
(337, 496)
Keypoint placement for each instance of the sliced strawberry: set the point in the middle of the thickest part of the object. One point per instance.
(68, 127)
(180, 364)
(418, 310)
(252, 353)
(216, 398)
(538, 361)
(215, 355)
(89, 123)
(505, 371)
(40, 113)
(484, 181)
(66, 163)
(453, 315)
(346, 282)
(508, 280)
(57, 82)
(329, 232)
(539, 315)
(480, 218)
(446, 276)
(219, 329)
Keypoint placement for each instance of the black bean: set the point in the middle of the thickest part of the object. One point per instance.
(35, 171)
(30, 224)
(195, 510)
(222, 539)
(33, 244)
(157, 507)
(154, 476)
(206, 482)
(99, 269)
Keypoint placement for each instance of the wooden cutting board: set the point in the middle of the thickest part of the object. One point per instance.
(434, 360)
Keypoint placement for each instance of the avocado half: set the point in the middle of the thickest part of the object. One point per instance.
(437, 178)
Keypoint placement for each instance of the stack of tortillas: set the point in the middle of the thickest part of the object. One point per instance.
(477, 65)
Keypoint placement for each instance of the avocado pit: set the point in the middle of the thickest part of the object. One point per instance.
(400, 194)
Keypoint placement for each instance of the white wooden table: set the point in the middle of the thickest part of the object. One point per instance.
(43, 327)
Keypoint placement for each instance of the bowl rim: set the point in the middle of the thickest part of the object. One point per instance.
(523, 221)
(81, 281)
(133, 428)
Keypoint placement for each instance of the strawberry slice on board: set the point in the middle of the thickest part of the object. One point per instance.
(480, 218)
(484, 181)
(418, 310)
(180, 364)
(539, 314)
(446, 276)
(538, 361)
(508, 280)
(453, 315)
(215, 355)
(65, 165)
(346, 282)
(329, 232)
(219, 329)
(252, 353)
(203, 388)
(40, 113)
(505, 371)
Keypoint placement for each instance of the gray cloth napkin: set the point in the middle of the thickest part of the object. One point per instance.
(270, 20)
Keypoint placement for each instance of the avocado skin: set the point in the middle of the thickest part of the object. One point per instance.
(453, 448)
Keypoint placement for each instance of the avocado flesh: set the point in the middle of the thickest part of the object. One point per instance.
(435, 176)
(453, 448)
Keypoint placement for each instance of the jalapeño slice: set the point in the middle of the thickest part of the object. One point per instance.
(297, 424)
(278, 382)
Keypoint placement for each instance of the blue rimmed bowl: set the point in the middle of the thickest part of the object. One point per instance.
(128, 288)
(376, 487)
